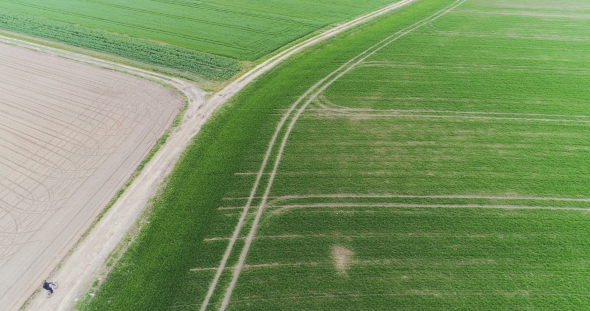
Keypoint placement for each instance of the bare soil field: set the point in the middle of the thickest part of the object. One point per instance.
(70, 136)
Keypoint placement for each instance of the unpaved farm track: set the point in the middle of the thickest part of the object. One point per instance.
(80, 269)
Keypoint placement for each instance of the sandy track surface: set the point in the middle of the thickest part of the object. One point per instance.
(71, 134)
(81, 268)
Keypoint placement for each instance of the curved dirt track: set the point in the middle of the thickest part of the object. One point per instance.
(80, 269)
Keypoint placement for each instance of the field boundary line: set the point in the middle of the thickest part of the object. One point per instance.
(347, 195)
(370, 235)
(386, 63)
(424, 293)
(332, 205)
(316, 89)
(326, 105)
(424, 116)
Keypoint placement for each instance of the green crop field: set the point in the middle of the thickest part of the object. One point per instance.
(206, 38)
(437, 158)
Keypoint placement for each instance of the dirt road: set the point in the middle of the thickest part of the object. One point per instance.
(80, 269)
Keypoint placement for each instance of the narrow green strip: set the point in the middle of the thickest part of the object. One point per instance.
(208, 66)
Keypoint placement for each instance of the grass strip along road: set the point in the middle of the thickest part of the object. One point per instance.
(359, 208)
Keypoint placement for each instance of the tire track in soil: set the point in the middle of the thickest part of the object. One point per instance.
(393, 205)
(442, 196)
(49, 163)
(315, 90)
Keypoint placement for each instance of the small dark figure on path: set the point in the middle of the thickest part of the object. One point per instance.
(48, 287)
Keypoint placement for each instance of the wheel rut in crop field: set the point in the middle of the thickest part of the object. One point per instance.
(474, 147)
(352, 195)
(393, 205)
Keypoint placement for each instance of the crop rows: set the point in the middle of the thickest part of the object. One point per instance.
(242, 30)
(446, 171)
(412, 165)
(70, 133)
(155, 273)
(209, 66)
(436, 154)
(417, 259)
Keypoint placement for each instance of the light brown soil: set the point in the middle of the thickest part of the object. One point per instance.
(342, 258)
(70, 136)
(241, 82)
(77, 273)
(396, 205)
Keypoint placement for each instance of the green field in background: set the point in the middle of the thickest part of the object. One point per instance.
(451, 167)
(186, 35)
(184, 62)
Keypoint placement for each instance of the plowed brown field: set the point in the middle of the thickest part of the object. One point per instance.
(70, 136)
